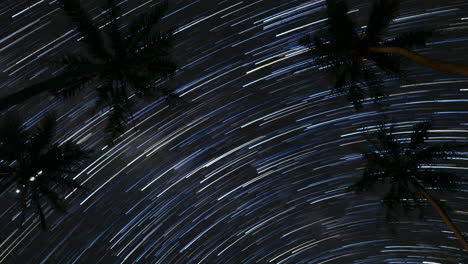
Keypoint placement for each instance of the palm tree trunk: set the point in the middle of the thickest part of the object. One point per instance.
(31, 91)
(440, 211)
(48, 85)
(40, 212)
(454, 68)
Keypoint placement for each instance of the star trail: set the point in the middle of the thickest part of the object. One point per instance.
(255, 166)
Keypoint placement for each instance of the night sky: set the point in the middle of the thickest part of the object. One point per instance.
(255, 167)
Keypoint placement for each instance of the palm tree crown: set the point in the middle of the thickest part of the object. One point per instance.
(404, 166)
(345, 51)
(121, 59)
(117, 61)
(35, 166)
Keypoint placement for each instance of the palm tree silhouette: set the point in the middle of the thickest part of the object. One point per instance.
(347, 53)
(35, 166)
(401, 165)
(116, 61)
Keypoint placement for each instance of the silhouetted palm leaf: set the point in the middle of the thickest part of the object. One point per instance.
(387, 63)
(341, 27)
(410, 40)
(90, 33)
(382, 13)
(141, 27)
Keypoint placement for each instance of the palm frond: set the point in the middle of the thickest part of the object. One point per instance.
(78, 72)
(435, 153)
(409, 40)
(104, 93)
(67, 182)
(61, 158)
(388, 142)
(341, 74)
(42, 135)
(387, 63)
(77, 64)
(53, 198)
(139, 83)
(88, 31)
(341, 27)
(369, 179)
(374, 83)
(439, 179)
(419, 134)
(162, 68)
(118, 118)
(118, 41)
(400, 196)
(73, 87)
(375, 159)
(382, 13)
(142, 26)
(155, 45)
(355, 95)
(329, 55)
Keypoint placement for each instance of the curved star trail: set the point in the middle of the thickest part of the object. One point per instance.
(255, 168)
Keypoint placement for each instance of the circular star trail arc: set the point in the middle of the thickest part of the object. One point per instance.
(255, 168)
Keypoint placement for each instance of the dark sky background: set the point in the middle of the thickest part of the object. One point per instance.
(256, 168)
